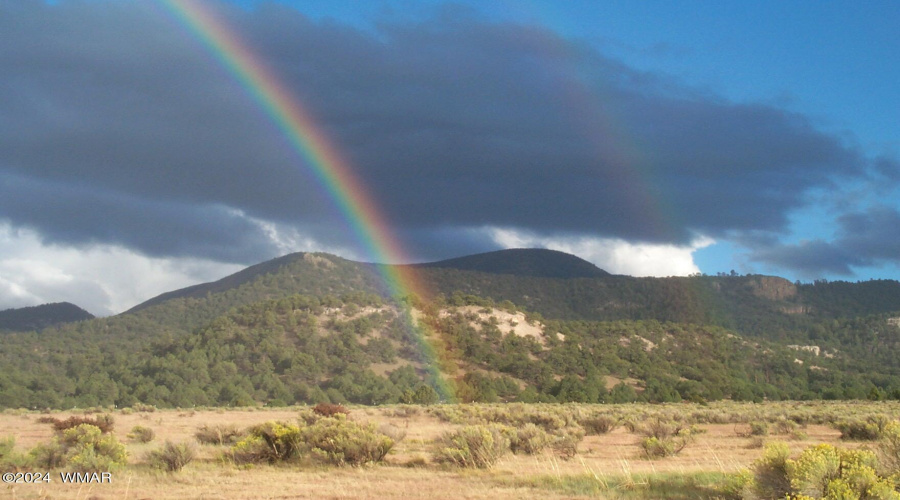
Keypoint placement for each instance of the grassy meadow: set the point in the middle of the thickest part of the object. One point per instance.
(601, 451)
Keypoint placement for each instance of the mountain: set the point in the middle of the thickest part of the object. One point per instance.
(523, 325)
(534, 262)
(42, 316)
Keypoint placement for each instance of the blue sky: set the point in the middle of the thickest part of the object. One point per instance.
(652, 138)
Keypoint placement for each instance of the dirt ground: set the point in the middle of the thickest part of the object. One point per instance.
(407, 473)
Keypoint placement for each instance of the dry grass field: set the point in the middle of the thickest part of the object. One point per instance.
(609, 465)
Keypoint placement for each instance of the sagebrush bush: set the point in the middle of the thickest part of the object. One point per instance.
(770, 478)
(566, 440)
(785, 426)
(50, 455)
(474, 446)
(218, 434)
(595, 425)
(172, 457)
(10, 460)
(270, 442)
(83, 448)
(339, 441)
(89, 450)
(759, 428)
(888, 451)
(821, 471)
(141, 434)
(529, 439)
(869, 429)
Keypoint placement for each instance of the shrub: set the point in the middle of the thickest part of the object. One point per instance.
(756, 442)
(862, 430)
(340, 441)
(814, 469)
(770, 478)
(10, 461)
(89, 450)
(566, 441)
(102, 422)
(141, 434)
(529, 439)
(48, 455)
(83, 448)
(330, 410)
(821, 471)
(657, 448)
(218, 434)
(888, 450)
(598, 424)
(785, 426)
(759, 428)
(270, 442)
(474, 446)
(658, 428)
(172, 457)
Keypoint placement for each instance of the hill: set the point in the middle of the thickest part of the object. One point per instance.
(40, 317)
(513, 325)
(534, 262)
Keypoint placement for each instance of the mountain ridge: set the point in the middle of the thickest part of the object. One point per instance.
(41, 316)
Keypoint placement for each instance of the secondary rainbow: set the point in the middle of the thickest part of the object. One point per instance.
(332, 172)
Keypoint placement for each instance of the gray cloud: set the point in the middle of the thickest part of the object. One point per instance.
(865, 238)
(117, 126)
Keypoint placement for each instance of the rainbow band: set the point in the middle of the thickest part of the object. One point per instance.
(332, 172)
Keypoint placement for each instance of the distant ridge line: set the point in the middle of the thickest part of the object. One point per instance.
(534, 262)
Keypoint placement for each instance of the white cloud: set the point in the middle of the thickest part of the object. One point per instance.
(103, 279)
(613, 255)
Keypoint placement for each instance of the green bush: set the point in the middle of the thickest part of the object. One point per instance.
(869, 429)
(141, 434)
(83, 448)
(89, 450)
(474, 446)
(50, 455)
(339, 441)
(759, 428)
(10, 461)
(172, 457)
(657, 448)
(270, 442)
(770, 478)
(814, 469)
(821, 471)
(529, 439)
(888, 451)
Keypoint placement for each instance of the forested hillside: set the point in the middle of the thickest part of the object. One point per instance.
(315, 327)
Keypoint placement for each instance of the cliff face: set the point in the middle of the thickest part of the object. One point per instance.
(773, 288)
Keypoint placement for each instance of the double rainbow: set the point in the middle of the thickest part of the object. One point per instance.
(332, 172)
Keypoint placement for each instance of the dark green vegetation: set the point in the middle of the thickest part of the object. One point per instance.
(317, 328)
(39, 317)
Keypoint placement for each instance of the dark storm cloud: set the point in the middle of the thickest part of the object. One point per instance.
(452, 123)
(865, 238)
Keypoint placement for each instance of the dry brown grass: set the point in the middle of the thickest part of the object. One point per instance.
(613, 454)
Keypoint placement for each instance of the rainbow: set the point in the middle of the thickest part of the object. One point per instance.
(317, 152)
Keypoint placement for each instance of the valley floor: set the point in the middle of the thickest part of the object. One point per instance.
(607, 466)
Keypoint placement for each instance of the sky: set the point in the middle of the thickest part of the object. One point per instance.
(650, 138)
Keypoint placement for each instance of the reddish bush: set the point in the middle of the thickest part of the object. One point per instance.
(102, 422)
(330, 410)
